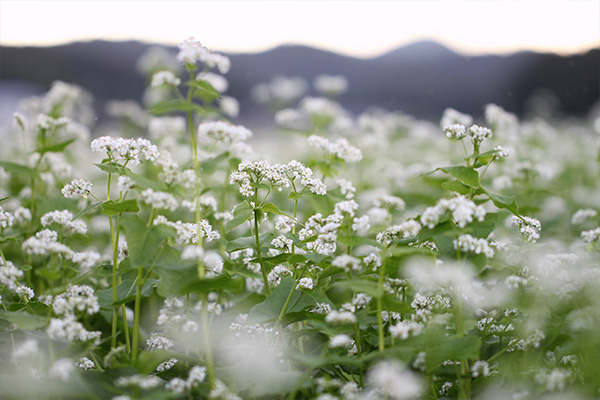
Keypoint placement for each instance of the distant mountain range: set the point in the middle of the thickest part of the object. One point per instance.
(421, 79)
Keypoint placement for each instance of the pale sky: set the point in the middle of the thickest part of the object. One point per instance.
(358, 28)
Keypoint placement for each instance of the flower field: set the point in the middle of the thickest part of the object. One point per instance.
(173, 254)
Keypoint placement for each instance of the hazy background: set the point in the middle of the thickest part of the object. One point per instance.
(417, 57)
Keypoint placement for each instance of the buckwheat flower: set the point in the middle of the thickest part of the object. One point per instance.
(159, 199)
(76, 297)
(320, 308)
(341, 340)
(341, 148)
(284, 224)
(468, 243)
(176, 385)
(305, 283)
(529, 227)
(556, 379)
(156, 342)
(331, 85)
(373, 260)
(77, 187)
(346, 207)
(530, 342)
(28, 348)
(389, 202)
(395, 381)
(166, 365)
(47, 122)
(68, 328)
(340, 317)
(480, 368)
(229, 106)
(361, 300)
(478, 133)
(291, 118)
(346, 262)
(6, 218)
(164, 78)
(213, 264)
(404, 230)
(346, 188)
(9, 275)
(274, 277)
(196, 376)
(25, 291)
(222, 392)
(281, 242)
(46, 242)
(122, 250)
(378, 215)
(582, 215)
(140, 381)
(225, 132)
(406, 328)
(22, 215)
(455, 131)
(85, 363)
(62, 369)
(243, 179)
(125, 183)
(500, 152)
(451, 117)
(591, 235)
(516, 282)
(462, 210)
(218, 82)
(65, 219)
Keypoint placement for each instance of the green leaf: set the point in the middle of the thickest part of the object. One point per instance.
(240, 215)
(18, 169)
(466, 175)
(206, 91)
(23, 320)
(144, 242)
(174, 105)
(114, 207)
(110, 168)
(357, 241)
(211, 164)
(361, 285)
(272, 306)
(390, 303)
(88, 209)
(456, 186)
(55, 148)
(148, 360)
(507, 202)
(144, 182)
(240, 244)
(440, 348)
(273, 209)
(234, 284)
(125, 292)
(172, 281)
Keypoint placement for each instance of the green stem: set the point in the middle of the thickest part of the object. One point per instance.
(136, 317)
(259, 254)
(190, 122)
(380, 306)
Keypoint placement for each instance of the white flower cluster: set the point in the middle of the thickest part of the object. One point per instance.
(191, 52)
(274, 277)
(389, 202)
(468, 243)
(187, 232)
(529, 227)
(320, 308)
(9, 276)
(68, 328)
(46, 242)
(281, 242)
(85, 363)
(278, 175)
(61, 369)
(305, 283)
(218, 82)
(341, 317)
(77, 187)
(480, 368)
(320, 106)
(373, 260)
(500, 152)
(177, 385)
(462, 210)
(140, 381)
(157, 342)
(346, 262)
(65, 219)
(479, 134)
(404, 230)
(164, 77)
(160, 127)
(331, 85)
(326, 231)
(279, 90)
(342, 340)
(455, 131)
(225, 132)
(212, 261)
(591, 235)
(452, 117)
(76, 297)
(346, 187)
(404, 329)
(393, 380)
(131, 151)
(582, 215)
(159, 200)
(172, 174)
(47, 122)
(166, 365)
(530, 342)
(284, 224)
(6, 219)
(341, 148)
(229, 106)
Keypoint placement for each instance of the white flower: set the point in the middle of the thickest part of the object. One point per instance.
(77, 187)
(500, 152)
(590, 236)
(346, 262)
(64, 218)
(76, 297)
(455, 131)
(346, 188)
(462, 210)
(191, 52)
(451, 117)
(305, 283)
(582, 215)
(478, 133)
(166, 365)
(164, 77)
(85, 363)
(229, 106)
(159, 199)
(404, 329)
(274, 277)
(468, 243)
(341, 340)
(395, 381)
(224, 131)
(331, 85)
(529, 227)
(341, 148)
(62, 369)
(480, 368)
(405, 230)
(6, 219)
(340, 317)
(155, 342)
